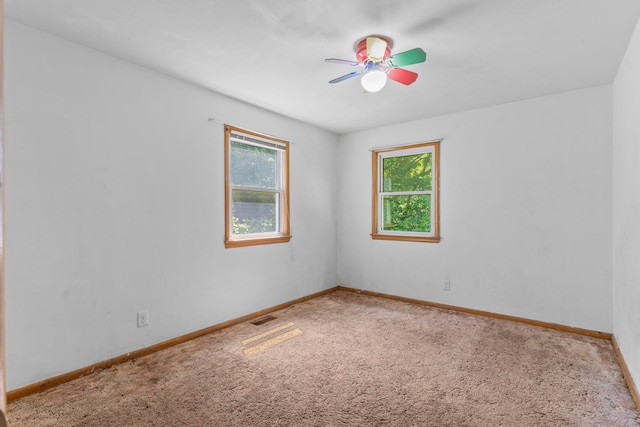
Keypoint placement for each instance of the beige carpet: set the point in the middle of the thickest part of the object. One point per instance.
(352, 360)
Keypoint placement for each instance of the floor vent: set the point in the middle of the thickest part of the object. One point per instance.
(263, 319)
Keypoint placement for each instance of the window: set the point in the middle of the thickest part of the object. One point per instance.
(256, 188)
(405, 193)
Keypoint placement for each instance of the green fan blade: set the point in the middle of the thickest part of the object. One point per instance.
(409, 57)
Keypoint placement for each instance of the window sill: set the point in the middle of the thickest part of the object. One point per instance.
(423, 239)
(255, 241)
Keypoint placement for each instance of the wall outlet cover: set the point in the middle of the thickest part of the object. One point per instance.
(143, 318)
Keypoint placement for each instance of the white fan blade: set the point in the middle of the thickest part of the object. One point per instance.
(376, 48)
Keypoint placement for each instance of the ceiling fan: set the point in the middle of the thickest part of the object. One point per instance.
(376, 63)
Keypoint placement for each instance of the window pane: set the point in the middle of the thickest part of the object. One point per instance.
(253, 166)
(407, 213)
(254, 212)
(407, 173)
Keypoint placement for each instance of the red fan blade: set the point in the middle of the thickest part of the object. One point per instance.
(401, 75)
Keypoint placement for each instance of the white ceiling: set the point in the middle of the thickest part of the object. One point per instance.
(271, 53)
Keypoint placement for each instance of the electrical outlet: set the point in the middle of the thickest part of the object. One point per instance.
(143, 318)
(447, 285)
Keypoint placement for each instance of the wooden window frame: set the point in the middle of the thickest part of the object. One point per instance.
(376, 232)
(284, 235)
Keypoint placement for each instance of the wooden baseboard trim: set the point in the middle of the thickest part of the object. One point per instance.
(46, 384)
(626, 373)
(548, 325)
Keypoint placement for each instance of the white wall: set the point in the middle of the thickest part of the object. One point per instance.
(626, 206)
(114, 204)
(525, 211)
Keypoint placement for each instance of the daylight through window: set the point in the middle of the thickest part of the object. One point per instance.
(257, 181)
(405, 193)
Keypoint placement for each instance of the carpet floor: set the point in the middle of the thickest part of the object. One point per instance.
(346, 359)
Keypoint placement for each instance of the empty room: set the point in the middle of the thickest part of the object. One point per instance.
(232, 213)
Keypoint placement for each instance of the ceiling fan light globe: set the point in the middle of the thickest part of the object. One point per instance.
(374, 80)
